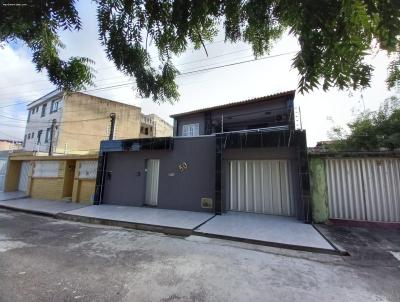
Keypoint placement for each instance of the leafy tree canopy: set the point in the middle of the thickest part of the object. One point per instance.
(334, 36)
(371, 130)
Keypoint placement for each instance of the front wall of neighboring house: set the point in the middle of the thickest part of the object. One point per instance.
(84, 181)
(49, 187)
(186, 174)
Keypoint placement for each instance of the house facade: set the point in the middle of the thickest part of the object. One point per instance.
(245, 156)
(79, 122)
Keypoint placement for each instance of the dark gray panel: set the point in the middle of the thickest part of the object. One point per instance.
(177, 190)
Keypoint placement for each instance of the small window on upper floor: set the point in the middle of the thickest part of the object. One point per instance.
(190, 130)
(29, 136)
(54, 106)
(39, 136)
(33, 135)
(47, 137)
(44, 110)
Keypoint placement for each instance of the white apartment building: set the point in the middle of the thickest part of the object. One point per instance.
(41, 114)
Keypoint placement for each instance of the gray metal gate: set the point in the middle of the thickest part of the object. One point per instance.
(364, 189)
(261, 186)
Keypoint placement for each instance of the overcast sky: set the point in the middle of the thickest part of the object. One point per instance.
(21, 83)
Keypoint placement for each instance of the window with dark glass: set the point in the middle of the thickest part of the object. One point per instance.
(39, 135)
(46, 140)
(44, 110)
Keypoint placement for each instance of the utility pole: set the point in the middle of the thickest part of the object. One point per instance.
(53, 125)
(112, 126)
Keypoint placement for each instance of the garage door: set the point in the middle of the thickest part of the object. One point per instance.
(3, 169)
(364, 189)
(23, 176)
(261, 186)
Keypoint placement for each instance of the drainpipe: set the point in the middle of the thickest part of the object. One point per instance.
(112, 126)
(53, 125)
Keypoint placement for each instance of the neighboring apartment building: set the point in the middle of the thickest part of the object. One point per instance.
(9, 145)
(80, 122)
(154, 126)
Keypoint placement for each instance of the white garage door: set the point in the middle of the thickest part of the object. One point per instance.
(23, 176)
(3, 169)
(261, 186)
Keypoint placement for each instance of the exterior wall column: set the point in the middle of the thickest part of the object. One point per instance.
(319, 190)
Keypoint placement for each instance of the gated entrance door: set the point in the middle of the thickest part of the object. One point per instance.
(23, 176)
(152, 177)
(364, 189)
(261, 186)
(3, 169)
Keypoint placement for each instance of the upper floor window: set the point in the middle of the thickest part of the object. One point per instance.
(47, 138)
(33, 135)
(44, 110)
(29, 136)
(190, 130)
(39, 135)
(54, 105)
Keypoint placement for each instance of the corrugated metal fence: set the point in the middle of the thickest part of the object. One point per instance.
(364, 189)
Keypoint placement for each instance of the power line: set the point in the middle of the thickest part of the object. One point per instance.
(109, 67)
(180, 75)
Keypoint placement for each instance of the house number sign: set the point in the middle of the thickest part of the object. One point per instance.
(182, 167)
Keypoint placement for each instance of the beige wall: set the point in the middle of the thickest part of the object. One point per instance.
(84, 188)
(51, 188)
(5, 145)
(157, 128)
(162, 128)
(12, 175)
(85, 136)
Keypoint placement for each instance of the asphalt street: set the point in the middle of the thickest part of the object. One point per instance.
(43, 259)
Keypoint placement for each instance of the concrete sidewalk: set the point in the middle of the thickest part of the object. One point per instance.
(152, 219)
(12, 195)
(271, 230)
(38, 206)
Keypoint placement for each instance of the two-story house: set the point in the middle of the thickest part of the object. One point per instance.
(77, 122)
(243, 156)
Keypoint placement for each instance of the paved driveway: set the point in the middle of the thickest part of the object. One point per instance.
(42, 259)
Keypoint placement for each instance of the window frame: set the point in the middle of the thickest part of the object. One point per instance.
(54, 103)
(191, 130)
(39, 136)
(44, 107)
(47, 138)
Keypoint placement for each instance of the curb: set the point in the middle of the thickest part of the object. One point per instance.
(272, 244)
(336, 246)
(124, 224)
(35, 212)
(179, 231)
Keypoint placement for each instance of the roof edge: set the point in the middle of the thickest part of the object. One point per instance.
(238, 103)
